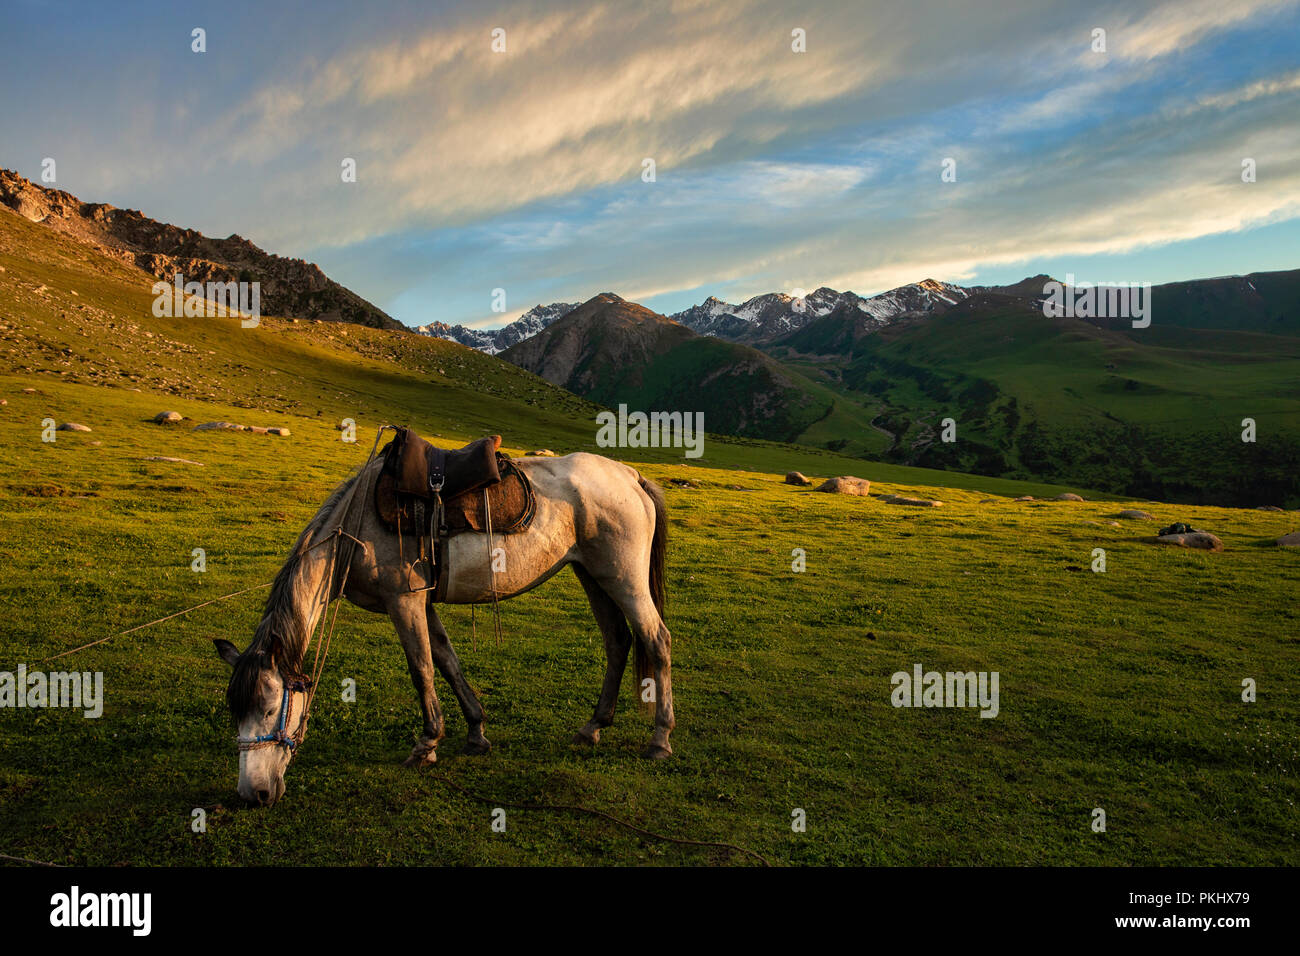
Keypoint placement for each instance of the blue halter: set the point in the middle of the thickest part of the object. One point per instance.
(279, 737)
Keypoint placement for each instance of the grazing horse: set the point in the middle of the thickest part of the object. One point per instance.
(598, 515)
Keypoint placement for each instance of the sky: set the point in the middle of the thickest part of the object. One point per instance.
(524, 169)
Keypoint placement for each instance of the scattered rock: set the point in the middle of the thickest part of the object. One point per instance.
(179, 461)
(1192, 539)
(539, 453)
(1269, 508)
(989, 501)
(845, 485)
(29, 391)
(795, 478)
(682, 483)
(1025, 498)
(914, 502)
(281, 432)
(218, 426)
(167, 418)
(257, 429)
(73, 427)
(1067, 496)
(1291, 540)
(1135, 514)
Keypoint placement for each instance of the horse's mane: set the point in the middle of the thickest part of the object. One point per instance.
(281, 637)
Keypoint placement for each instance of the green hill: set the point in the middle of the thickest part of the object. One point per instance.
(1151, 412)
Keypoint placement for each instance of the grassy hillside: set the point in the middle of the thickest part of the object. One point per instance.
(1154, 412)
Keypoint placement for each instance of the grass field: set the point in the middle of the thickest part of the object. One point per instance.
(1119, 691)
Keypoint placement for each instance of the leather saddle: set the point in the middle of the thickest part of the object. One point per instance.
(433, 494)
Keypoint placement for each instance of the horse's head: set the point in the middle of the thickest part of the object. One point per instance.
(270, 710)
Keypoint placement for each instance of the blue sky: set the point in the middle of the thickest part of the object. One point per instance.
(775, 170)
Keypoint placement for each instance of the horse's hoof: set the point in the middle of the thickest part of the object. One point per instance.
(476, 748)
(582, 740)
(656, 752)
(421, 757)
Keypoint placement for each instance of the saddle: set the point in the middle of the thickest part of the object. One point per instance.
(433, 494)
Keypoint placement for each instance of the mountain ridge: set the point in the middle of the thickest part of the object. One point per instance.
(292, 288)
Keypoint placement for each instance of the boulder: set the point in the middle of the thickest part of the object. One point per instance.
(795, 478)
(1291, 540)
(1134, 514)
(218, 426)
(845, 485)
(1067, 496)
(1192, 539)
(281, 432)
(167, 418)
(73, 427)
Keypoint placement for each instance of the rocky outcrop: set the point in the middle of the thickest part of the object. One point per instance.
(291, 288)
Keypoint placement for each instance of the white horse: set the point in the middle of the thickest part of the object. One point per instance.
(598, 515)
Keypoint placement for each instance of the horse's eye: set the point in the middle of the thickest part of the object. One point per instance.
(270, 713)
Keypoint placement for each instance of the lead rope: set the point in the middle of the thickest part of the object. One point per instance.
(327, 631)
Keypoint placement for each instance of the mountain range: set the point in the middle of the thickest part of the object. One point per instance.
(1156, 412)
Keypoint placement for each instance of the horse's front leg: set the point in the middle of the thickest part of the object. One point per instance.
(444, 655)
(407, 615)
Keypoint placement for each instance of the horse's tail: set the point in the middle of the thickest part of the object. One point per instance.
(658, 565)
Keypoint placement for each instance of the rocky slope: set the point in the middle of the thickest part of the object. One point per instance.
(291, 288)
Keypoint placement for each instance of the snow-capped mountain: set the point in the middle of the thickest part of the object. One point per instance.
(760, 320)
(492, 341)
(767, 317)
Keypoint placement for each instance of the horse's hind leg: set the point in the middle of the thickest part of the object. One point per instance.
(654, 658)
(618, 641)
(656, 644)
(444, 655)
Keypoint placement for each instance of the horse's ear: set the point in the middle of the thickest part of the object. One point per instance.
(496, 442)
(226, 651)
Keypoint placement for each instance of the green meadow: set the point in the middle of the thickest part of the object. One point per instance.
(1119, 690)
